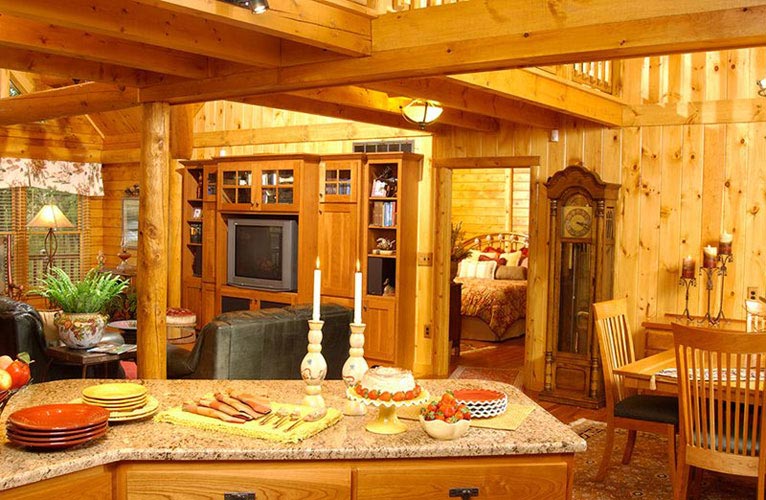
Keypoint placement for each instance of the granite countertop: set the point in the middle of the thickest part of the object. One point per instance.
(540, 433)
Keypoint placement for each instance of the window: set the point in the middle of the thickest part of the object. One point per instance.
(19, 205)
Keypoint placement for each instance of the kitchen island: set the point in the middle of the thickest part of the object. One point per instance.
(148, 459)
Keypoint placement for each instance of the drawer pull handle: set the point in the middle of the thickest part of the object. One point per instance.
(463, 493)
(242, 495)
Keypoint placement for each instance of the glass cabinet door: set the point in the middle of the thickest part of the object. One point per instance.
(575, 298)
(338, 181)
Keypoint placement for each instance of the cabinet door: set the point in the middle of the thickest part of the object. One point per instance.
(338, 247)
(380, 334)
(278, 185)
(210, 183)
(191, 298)
(338, 181)
(235, 186)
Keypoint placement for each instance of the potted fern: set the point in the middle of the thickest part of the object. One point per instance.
(82, 320)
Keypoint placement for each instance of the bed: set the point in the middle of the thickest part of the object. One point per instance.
(494, 292)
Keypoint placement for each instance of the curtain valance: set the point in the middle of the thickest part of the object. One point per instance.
(64, 176)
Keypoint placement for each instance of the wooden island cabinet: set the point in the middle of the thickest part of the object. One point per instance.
(147, 459)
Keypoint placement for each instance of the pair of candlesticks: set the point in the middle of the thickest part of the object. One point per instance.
(712, 267)
(314, 367)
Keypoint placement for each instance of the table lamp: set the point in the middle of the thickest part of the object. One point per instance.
(51, 217)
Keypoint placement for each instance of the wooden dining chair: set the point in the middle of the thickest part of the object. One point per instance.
(721, 403)
(625, 408)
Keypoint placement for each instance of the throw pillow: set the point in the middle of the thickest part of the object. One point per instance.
(500, 261)
(466, 268)
(512, 258)
(511, 273)
(486, 269)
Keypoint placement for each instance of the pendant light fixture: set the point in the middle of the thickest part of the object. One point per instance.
(257, 6)
(422, 112)
(761, 87)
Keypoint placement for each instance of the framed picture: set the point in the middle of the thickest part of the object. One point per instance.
(197, 213)
(378, 189)
(130, 223)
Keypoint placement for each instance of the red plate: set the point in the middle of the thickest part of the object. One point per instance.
(19, 431)
(58, 417)
(477, 395)
(54, 440)
(52, 445)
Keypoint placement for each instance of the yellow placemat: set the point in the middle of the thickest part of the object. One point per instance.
(254, 429)
(509, 421)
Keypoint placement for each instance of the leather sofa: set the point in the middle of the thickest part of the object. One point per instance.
(21, 330)
(261, 345)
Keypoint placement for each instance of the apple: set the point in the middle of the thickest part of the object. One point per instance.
(5, 361)
(5, 380)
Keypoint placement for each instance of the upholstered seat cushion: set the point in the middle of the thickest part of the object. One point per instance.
(651, 408)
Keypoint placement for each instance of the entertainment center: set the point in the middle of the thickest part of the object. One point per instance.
(256, 224)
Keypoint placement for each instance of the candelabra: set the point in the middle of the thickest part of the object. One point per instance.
(723, 259)
(708, 272)
(314, 366)
(354, 368)
(687, 282)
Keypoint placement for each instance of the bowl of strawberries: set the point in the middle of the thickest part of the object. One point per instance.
(445, 418)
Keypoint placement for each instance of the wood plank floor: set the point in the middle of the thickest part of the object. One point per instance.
(510, 355)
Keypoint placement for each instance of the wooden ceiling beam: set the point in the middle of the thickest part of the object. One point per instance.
(550, 93)
(139, 22)
(456, 95)
(696, 113)
(66, 101)
(599, 33)
(333, 110)
(373, 100)
(70, 67)
(30, 35)
(315, 23)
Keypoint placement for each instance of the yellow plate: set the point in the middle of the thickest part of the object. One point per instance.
(151, 407)
(114, 391)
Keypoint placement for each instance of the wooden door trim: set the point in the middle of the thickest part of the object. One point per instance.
(442, 189)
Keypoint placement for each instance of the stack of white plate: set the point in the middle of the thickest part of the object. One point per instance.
(482, 403)
(125, 401)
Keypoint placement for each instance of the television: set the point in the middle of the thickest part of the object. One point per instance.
(263, 253)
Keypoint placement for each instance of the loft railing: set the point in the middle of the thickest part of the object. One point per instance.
(402, 5)
(600, 75)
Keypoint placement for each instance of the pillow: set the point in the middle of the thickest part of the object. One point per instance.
(486, 269)
(500, 261)
(511, 273)
(492, 250)
(475, 255)
(512, 258)
(466, 268)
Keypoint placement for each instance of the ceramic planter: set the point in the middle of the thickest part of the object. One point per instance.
(81, 330)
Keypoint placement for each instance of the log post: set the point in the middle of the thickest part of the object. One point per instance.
(175, 216)
(152, 275)
(5, 83)
(442, 189)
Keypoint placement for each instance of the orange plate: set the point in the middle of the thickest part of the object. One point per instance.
(477, 395)
(21, 432)
(54, 440)
(58, 417)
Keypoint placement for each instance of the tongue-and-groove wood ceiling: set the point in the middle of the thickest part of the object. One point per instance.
(338, 58)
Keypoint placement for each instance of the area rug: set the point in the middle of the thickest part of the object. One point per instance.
(508, 376)
(471, 348)
(646, 476)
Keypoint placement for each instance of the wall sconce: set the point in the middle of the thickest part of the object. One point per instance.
(422, 112)
(761, 87)
(257, 6)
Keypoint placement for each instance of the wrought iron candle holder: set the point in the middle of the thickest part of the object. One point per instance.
(354, 369)
(709, 272)
(687, 282)
(314, 367)
(723, 259)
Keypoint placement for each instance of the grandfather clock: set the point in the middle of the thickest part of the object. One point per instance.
(580, 272)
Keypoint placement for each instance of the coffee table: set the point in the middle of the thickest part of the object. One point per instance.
(81, 357)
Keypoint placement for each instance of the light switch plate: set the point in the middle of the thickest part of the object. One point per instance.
(425, 259)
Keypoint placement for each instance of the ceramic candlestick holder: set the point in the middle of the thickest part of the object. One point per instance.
(686, 283)
(723, 259)
(354, 368)
(314, 367)
(709, 272)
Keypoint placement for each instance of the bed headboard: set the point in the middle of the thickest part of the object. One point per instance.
(507, 241)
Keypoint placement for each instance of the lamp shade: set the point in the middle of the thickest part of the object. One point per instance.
(50, 216)
(761, 87)
(422, 112)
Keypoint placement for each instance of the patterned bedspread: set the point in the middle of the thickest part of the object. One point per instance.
(497, 302)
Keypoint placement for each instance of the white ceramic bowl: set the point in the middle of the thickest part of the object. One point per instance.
(443, 430)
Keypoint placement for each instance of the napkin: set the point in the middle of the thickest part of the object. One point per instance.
(253, 429)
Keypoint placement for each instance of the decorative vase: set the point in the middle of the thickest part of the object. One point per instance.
(50, 329)
(81, 330)
(453, 265)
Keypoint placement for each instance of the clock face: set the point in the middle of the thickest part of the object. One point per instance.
(578, 222)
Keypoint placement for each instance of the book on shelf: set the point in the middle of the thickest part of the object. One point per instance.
(383, 213)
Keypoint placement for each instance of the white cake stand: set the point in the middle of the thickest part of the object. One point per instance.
(387, 421)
